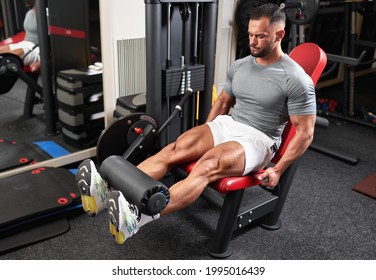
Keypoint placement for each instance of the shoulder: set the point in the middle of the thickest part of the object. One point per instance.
(239, 63)
(30, 14)
(294, 71)
(243, 60)
(289, 64)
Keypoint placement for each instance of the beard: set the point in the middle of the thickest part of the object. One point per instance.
(261, 52)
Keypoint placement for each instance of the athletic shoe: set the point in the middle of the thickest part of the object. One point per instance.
(94, 190)
(124, 217)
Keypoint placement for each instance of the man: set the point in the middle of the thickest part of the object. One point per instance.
(265, 90)
(27, 49)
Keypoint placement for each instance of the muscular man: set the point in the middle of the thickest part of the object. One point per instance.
(27, 49)
(265, 90)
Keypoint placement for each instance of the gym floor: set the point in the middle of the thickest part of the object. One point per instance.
(323, 218)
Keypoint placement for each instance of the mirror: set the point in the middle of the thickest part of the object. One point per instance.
(70, 111)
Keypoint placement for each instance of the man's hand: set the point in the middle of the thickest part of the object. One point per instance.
(270, 177)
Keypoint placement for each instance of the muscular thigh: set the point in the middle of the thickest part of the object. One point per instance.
(223, 160)
(189, 146)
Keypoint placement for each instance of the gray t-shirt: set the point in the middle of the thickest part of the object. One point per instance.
(30, 27)
(267, 95)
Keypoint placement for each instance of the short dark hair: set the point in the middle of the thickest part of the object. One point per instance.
(30, 3)
(269, 10)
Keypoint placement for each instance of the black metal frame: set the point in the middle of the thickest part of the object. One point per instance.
(157, 32)
(31, 99)
(232, 217)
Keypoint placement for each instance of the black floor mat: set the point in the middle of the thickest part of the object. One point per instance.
(33, 235)
(13, 155)
(26, 197)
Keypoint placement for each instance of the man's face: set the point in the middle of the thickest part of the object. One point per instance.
(263, 37)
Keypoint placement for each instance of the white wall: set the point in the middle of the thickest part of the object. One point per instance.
(226, 41)
(119, 19)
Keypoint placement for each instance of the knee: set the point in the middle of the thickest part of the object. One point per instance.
(169, 150)
(207, 166)
(183, 142)
(180, 146)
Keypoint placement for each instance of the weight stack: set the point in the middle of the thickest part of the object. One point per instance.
(80, 106)
(177, 79)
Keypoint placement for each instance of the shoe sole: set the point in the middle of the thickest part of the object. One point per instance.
(121, 216)
(113, 212)
(84, 179)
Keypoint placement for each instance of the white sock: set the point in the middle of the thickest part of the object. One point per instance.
(144, 219)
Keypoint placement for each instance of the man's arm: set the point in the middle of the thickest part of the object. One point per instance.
(221, 106)
(305, 126)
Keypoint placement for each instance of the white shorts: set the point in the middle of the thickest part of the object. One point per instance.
(259, 149)
(27, 46)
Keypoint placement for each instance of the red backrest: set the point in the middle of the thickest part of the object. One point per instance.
(313, 60)
(14, 39)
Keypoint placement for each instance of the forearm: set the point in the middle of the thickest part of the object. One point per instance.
(296, 148)
(298, 145)
(216, 110)
(221, 106)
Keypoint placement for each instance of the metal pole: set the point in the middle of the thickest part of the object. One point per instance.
(46, 68)
(208, 58)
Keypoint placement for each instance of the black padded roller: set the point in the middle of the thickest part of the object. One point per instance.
(149, 195)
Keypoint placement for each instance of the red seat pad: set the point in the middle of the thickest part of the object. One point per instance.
(228, 184)
(27, 69)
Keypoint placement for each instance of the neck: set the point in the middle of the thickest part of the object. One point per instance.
(271, 58)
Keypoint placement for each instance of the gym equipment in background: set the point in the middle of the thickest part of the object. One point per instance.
(80, 106)
(68, 36)
(11, 69)
(180, 40)
(41, 194)
(300, 11)
(180, 53)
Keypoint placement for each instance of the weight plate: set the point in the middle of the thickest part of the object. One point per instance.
(242, 13)
(136, 129)
(116, 137)
(11, 59)
(8, 78)
(302, 15)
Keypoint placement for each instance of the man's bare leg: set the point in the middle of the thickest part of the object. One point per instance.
(6, 49)
(221, 161)
(190, 146)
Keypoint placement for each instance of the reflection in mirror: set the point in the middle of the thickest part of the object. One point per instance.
(71, 102)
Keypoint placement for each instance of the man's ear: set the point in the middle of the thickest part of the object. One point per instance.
(280, 34)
